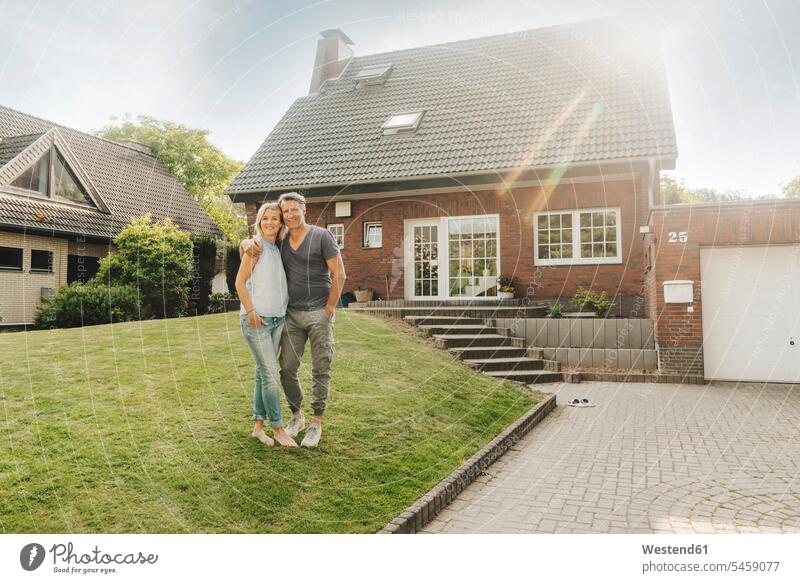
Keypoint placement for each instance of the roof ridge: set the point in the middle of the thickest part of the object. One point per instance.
(62, 126)
(581, 23)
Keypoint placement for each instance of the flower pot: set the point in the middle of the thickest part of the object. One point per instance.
(363, 295)
(505, 295)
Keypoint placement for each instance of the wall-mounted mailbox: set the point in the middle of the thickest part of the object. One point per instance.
(680, 291)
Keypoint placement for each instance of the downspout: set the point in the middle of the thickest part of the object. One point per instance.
(650, 178)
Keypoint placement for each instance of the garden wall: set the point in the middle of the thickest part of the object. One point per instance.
(619, 343)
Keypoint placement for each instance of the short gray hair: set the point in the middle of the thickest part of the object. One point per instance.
(296, 196)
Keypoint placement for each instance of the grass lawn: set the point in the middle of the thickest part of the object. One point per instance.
(144, 427)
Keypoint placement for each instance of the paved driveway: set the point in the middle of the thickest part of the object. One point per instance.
(648, 458)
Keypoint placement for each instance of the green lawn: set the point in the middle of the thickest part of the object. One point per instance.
(144, 427)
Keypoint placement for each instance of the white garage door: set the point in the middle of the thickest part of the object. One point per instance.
(751, 313)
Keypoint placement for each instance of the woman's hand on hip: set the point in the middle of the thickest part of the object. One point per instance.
(254, 320)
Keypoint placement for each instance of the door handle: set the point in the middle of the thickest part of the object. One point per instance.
(791, 341)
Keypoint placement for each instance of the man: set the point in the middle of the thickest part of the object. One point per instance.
(315, 274)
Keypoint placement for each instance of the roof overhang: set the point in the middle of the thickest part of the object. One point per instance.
(510, 177)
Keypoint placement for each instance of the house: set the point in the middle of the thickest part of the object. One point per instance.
(537, 155)
(532, 154)
(64, 195)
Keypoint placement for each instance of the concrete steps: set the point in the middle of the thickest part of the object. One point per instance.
(478, 344)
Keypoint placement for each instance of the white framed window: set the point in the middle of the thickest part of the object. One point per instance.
(337, 230)
(373, 235)
(576, 237)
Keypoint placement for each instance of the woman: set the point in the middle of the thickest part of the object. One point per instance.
(261, 285)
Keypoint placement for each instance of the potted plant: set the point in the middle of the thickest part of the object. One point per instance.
(363, 295)
(505, 287)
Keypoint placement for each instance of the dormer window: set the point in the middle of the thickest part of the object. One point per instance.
(373, 75)
(51, 177)
(402, 123)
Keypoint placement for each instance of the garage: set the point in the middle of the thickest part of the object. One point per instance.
(751, 312)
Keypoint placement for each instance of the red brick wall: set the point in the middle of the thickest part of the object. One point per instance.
(679, 332)
(369, 268)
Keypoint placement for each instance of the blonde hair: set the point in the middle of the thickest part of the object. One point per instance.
(267, 206)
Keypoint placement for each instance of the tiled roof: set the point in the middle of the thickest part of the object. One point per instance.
(569, 93)
(11, 146)
(130, 182)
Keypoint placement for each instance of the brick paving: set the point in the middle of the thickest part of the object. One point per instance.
(649, 458)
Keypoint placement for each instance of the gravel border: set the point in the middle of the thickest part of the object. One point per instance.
(416, 516)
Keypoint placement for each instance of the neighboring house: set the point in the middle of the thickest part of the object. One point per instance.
(64, 195)
(534, 154)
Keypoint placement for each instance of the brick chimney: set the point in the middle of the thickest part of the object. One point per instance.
(333, 53)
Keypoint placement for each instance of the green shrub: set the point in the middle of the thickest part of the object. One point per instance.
(556, 310)
(216, 303)
(86, 305)
(155, 258)
(588, 300)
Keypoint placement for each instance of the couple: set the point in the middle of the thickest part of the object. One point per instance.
(289, 285)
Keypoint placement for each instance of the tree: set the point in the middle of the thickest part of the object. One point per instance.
(792, 190)
(156, 258)
(675, 191)
(202, 168)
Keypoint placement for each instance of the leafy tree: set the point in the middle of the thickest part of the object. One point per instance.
(675, 191)
(202, 168)
(156, 258)
(792, 190)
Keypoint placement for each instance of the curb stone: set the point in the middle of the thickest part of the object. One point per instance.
(414, 518)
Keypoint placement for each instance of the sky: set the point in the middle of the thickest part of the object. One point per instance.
(234, 67)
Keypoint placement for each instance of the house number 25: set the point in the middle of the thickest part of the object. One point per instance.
(678, 236)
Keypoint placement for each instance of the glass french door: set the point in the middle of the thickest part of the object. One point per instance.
(473, 258)
(426, 260)
(452, 257)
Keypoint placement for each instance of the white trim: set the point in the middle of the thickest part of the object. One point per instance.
(576, 259)
(443, 253)
(328, 227)
(364, 238)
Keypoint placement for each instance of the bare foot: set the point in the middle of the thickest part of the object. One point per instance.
(283, 438)
(263, 437)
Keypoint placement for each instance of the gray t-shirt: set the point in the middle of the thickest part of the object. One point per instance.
(307, 271)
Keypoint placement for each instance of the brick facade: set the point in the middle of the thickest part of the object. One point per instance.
(382, 269)
(21, 291)
(678, 331)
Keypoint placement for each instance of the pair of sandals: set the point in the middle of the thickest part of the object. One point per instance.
(580, 403)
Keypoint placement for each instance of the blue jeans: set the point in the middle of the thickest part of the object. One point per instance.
(263, 342)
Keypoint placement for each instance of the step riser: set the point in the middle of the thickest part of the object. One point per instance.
(470, 342)
(491, 353)
(517, 367)
(533, 378)
(451, 330)
(439, 321)
(479, 313)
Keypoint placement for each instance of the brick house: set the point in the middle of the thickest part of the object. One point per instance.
(535, 155)
(64, 195)
(532, 154)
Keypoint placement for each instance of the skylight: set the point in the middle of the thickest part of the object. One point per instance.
(374, 74)
(402, 122)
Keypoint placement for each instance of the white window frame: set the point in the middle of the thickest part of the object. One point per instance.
(576, 258)
(335, 235)
(367, 225)
(444, 255)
